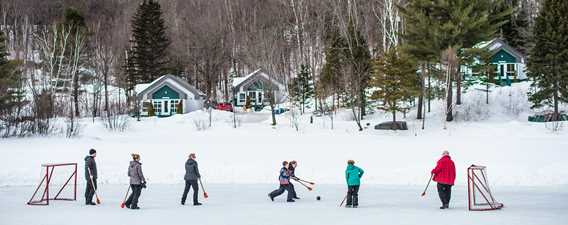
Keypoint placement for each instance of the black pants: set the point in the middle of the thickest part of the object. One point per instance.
(293, 190)
(445, 192)
(90, 190)
(190, 184)
(281, 189)
(353, 195)
(132, 200)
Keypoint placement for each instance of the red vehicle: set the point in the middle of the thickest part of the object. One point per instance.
(224, 106)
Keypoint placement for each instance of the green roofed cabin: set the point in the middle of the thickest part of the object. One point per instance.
(509, 63)
(168, 95)
(254, 88)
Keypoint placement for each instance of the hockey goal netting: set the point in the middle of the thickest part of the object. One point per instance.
(58, 182)
(480, 197)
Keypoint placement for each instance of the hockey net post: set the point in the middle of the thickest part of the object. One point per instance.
(47, 180)
(480, 197)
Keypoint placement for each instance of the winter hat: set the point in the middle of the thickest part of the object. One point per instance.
(350, 162)
(92, 151)
(445, 152)
(135, 156)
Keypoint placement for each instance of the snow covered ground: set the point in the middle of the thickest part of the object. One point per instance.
(247, 204)
(527, 165)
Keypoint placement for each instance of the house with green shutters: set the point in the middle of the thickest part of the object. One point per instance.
(509, 63)
(168, 95)
(254, 87)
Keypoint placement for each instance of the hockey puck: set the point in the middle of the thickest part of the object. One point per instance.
(318, 198)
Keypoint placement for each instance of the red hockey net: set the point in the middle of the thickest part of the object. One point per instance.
(58, 182)
(480, 197)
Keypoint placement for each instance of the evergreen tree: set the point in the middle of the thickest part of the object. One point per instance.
(358, 62)
(547, 65)
(452, 25)
(11, 91)
(302, 87)
(331, 78)
(149, 50)
(395, 79)
(515, 31)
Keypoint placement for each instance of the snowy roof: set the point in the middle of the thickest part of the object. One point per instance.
(239, 81)
(141, 89)
(497, 44)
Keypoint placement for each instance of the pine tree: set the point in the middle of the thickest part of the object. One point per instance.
(358, 61)
(395, 79)
(451, 25)
(515, 31)
(11, 91)
(331, 78)
(547, 65)
(302, 87)
(149, 50)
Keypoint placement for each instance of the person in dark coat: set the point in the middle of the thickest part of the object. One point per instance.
(353, 176)
(191, 177)
(90, 176)
(292, 171)
(137, 182)
(284, 180)
(445, 175)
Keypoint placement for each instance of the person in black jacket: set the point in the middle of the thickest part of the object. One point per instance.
(90, 176)
(292, 171)
(191, 177)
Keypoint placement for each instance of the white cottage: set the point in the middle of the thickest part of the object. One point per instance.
(168, 95)
(254, 87)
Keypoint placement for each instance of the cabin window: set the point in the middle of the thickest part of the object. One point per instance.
(173, 105)
(157, 106)
(242, 97)
(511, 70)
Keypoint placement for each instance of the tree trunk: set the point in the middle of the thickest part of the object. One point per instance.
(458, 84)
(449, 98)
(429, 89)
(76, 94)
(421, 97)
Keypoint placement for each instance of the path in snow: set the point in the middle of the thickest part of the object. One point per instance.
(246, 204)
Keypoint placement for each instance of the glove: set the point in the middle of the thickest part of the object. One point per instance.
(144, 185)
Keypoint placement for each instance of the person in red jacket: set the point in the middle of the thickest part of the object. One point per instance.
(445, 175)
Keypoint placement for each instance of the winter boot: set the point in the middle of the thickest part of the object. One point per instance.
(90, 203)
(134, 207)
(348, 206)
(271, 198)
(355, 206)
(290, 200)
(197, 204)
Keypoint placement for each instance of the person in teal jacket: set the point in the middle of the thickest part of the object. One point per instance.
(353, 176)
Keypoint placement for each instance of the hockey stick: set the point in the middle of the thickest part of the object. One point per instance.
(309, 182)
(344, 198)
(308, 187)
(424, 193)
(93, 185)
(125, 196)
(205, 195)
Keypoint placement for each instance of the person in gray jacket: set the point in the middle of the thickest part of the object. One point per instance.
(137, 182)
(90, 176)
(191, 177)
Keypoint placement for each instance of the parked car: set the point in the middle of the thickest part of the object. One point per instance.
(225, 106)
